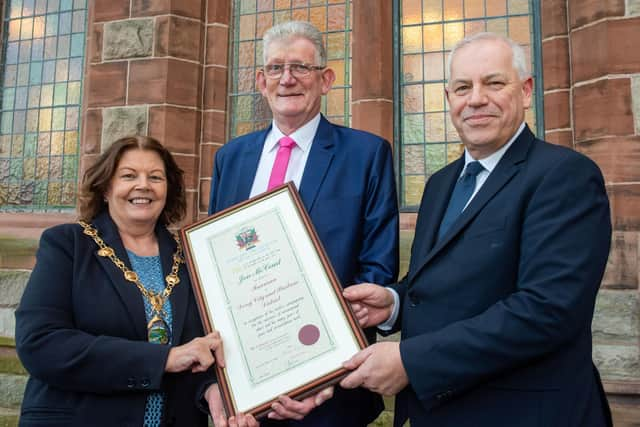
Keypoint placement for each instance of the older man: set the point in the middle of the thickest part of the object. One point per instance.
(345, 179)
(510, 247)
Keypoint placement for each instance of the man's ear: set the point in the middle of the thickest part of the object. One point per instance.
(261, 82)
(527, 92)
(328, 77)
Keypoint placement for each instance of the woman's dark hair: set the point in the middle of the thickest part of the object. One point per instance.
(96, 179)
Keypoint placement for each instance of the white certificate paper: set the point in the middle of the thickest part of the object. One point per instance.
(262, 280)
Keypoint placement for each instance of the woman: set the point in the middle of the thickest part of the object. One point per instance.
(108, 327)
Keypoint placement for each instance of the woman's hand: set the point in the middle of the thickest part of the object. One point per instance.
(218, 415)
(196, 355)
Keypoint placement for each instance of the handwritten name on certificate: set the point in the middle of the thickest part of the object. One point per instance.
(277, 319)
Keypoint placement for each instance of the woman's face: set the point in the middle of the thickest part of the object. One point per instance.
(137, 192)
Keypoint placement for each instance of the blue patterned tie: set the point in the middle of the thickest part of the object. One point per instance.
(460, 196)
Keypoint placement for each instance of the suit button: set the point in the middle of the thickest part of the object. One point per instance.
(145, 382)
(131, 382)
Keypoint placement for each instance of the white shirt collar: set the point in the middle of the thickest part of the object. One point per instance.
(303, 136)
(490, 162)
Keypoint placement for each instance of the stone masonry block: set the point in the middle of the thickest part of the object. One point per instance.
(616, 317)
(618, 362)
(12, 283)
(177, 128)
(178, 37)
(554, 17)
(603, 108)
(622, 265)
(625, 206)
(7, 322)
(618, 157)
(12, 389)
(582, 12)
(635, 96)
(633, 7)
(110, 10)
(122, 121)
(132, 38)
(555, 60)
(556, 110)
(106, 84)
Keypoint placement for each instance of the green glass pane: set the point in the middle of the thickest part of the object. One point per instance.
(40, 193)
(335, 46)
(16, 169)
(60, 94)
(8, 96)
(20, 101)
(19, 119)
(77, 44)
(29, 169)
(59, 115)
(413, 129)
(247, 6)
(35, 75)
(30, 144)
(6, 123)
(66, 4)
(79, 4)
(49, 71)
(73, 93)
(69, 167)
(518, 6)
(243, 108)
(53, 5)
(51, 25)
(436, 157)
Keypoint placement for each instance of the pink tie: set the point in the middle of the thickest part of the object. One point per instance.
(282, 161)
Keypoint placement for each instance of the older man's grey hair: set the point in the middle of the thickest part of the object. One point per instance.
(518, 57)
(295, 29)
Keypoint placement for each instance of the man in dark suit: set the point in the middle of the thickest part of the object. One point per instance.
(510, 247)
(346, 183)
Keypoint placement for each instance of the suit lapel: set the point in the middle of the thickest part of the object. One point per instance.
(504, 171)
(128, 292)
(320, 157)
(248, 166)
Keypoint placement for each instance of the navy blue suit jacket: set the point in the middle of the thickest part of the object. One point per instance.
(496, 316)
(81, 334)
(348, 189)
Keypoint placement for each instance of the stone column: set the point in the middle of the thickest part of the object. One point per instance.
(372, 62)
(144, 76)
(602, 95)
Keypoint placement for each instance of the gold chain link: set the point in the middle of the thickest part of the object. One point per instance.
(155, 299)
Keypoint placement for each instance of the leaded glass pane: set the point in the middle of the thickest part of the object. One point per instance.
(427, 30)
(40, 117)
(251, 19)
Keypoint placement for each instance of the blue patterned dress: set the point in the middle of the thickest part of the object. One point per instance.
(149, 270)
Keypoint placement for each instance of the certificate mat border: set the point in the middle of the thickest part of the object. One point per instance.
(224, 381)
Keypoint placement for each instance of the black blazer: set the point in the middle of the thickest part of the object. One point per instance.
(81, 335)
(496, 316)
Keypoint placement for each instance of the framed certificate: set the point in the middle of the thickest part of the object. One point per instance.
(262, 279)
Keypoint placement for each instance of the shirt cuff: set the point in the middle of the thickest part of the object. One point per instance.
(388, 324)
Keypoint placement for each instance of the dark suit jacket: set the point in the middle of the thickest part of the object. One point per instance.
(496, 316)
(81, 334)
(348, 189)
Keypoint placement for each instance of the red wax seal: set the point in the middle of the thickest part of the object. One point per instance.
(309, 334)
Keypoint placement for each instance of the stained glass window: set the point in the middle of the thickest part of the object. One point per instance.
(251, 18)
(43, 54)
(428, 31)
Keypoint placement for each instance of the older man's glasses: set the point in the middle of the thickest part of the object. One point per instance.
(297, 70)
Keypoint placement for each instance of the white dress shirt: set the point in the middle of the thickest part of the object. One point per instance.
(299, 155)
(489, 163)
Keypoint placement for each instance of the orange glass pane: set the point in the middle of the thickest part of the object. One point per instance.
(246, 80)
(450, 132)
(317, 2)
(301, 14)
(14, 30)
(38, 27)
(413, 159)
(318, 17)
(434, 97)
(432, 37)
(282, 16)
(411, 68)
(57, 143)
(283, 4)
(264, 5)
(412, 99)
(474, 27)
(45, 120)
(26, 30)
(246, 54)
(431, 11)
(453, 33)
(519, 29)
(264, 21)
(434, 66)
(413, 188)
(247, 27)
(498, 26)
(71, 142)
(44, 143)
(452, 10)
(338, 67)
(335, 103)
(496, 7)
(473, 9)
(336, 18)
(300, 3)
(411, 11)
(454, 151)
(434, 127)
(412, 39)
(336, 45)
